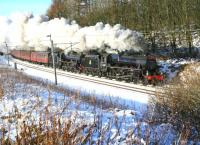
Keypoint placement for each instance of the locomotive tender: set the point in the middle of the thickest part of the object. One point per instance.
(111, 65)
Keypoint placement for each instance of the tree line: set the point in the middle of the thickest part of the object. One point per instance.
(163, 22)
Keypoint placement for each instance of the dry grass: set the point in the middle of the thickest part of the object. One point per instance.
(1, 91)
(55, 133)
(68, 133)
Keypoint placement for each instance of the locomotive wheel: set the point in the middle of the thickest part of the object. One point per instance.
(128, 80)
(99, 74)
(93, 73)
(160, 83)
(63, 68)
(71, 70)
(146, 82)
(135, 81)
(154, 82)
(86, 72)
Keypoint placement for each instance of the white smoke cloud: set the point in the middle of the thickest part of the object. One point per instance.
(28, 32)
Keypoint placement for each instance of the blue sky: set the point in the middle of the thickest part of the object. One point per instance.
(8, 7)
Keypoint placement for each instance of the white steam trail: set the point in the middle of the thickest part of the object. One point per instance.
(28, 32)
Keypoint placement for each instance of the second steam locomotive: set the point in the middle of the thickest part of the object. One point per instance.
(129, 68)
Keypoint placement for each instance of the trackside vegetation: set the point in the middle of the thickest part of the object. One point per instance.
(180, 105)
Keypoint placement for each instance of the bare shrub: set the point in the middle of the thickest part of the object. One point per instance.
(1, 91)
(180, 103)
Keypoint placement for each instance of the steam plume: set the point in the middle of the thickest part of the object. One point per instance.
(28, 32)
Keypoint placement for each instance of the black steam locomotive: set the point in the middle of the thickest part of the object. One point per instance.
(130, 68)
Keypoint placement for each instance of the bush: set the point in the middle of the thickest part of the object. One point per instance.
(180, 102)
(1, 91)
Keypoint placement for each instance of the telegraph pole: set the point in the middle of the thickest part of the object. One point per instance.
(71, 45)
(53, 58)
(7, 52)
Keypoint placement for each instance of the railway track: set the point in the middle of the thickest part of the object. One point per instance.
(112, 83)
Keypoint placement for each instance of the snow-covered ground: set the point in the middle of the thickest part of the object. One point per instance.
(28, 101)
